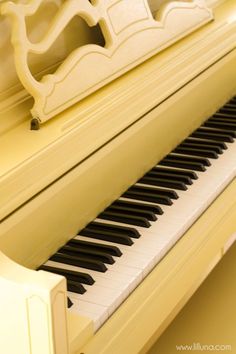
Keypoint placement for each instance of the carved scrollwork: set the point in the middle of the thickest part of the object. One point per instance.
(124, 25)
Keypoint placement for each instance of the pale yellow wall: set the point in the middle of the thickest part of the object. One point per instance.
(210, 315)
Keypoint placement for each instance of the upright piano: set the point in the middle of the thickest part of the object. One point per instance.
(117, 167)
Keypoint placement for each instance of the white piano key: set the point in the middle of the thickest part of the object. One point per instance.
(87, 306)
(99, 314)
(140, 262)
(135, 272)
(104, 296)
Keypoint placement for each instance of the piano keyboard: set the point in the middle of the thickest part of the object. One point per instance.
(107, 260)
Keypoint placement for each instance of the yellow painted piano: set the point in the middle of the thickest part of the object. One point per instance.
(117, 167)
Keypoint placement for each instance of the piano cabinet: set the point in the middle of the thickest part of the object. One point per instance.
(56, 180)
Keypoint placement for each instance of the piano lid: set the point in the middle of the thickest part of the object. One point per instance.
(122, 25)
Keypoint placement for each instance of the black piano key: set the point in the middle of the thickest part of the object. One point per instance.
(175, 177)
(195, 166)
(160, 191)
(228, 119)
(225, 115)
(212, 136)
(86, 253)
(168, 183)
(229, 133)
(205, 146)
(228, 109)
(112, 250)
(79, 262)
(75, 287)
(124, 218)
(107, 236)
(226, 112)
(196, 152)
(117, 229)
(69, 303)
(147, 196)
(70, 274)
(155, 209)
(219, 144)
(149, 215)
(204, 161)
(219, 125)
(173, 171)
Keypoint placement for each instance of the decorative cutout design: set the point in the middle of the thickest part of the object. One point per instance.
(131, 34)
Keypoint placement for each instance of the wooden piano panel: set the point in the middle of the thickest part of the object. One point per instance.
(209, 317)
